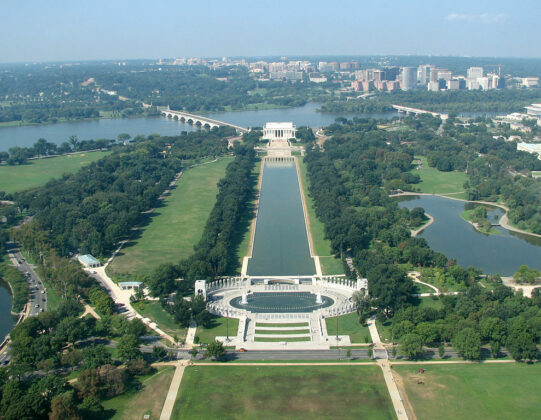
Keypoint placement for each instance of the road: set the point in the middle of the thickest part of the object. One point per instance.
(37, 298)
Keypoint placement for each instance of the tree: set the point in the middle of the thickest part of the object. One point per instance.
(128, 347)
(215, 350)
(526, 274)
(468, 343)
(441, 350)
(495, 348)
(158, 353)
(411, 345)
(95, 356)
(63, 407)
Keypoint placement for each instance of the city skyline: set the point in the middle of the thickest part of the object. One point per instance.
(65, 31)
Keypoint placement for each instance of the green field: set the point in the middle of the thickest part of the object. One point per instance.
(281, 339)
(218, 328)
(148, 400)
(348, 325)
(283, 392)
(284, 325)
(285, 332)
(473, 391)
(160, 316)
(322, 247)
(38, 171)
(175, 228)
(438, 182)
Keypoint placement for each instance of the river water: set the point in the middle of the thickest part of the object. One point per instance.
(281, 242)
(7, 321)
(451, 235)
(25, 136)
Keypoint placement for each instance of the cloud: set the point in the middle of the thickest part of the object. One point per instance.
(482, 18)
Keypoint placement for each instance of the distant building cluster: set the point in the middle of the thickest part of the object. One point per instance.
(386, 78)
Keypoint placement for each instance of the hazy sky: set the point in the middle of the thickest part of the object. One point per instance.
(49, 30)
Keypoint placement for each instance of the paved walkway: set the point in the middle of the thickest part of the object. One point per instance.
(169, 403)
(385, 366)
(191, 333)
(415, 232)
(90, 310)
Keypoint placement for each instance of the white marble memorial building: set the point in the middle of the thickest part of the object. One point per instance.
(279, 131)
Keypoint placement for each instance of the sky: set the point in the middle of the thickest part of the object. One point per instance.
(66, 30)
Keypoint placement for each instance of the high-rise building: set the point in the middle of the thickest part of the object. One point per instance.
(475, 72)
(423, 74)
(409, 78)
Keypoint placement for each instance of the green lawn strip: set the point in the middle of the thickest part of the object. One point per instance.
(244, 231)
(331, 266)
(38, 172)
(349, 325)
(438, 182)
(280, 332)
(283, 392)
(322, 246)
(218, 328)
(473, 391)
(280, 339)
(430, 302)
(421, 288)
(148, 400)
(284, 325)
(164, 320)
(175, 227)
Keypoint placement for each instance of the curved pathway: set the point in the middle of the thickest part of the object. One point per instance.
(415, 232)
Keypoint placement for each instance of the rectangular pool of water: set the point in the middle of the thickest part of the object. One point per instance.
(281, 242)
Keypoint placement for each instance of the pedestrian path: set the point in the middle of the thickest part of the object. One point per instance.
(169, 403)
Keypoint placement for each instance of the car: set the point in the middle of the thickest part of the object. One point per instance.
(37, 305)
(242, 350)
(43, 292)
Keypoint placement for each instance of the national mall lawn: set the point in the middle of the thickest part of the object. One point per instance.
(283, 392)
(176, 226)
(473, 391)
(38, 172)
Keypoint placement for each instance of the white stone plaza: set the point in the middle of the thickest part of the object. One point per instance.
(309, 321)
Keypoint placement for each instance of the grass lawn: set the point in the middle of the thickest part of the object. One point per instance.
(285, 332)
(430, 302)
(165, 321)
(281, 339)
(283, 392)
(322, 247)
(284, 325)
(148, 400)
(348, 325)
(174, 228)
(39, 171)
(421, 288)
(218, 328)
(438, 182)
(474, 391)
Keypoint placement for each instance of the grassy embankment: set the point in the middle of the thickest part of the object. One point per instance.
(38, 172)
(148, 400)
(322, 247)
(218, 328)
(174, 228)
(154, 311)
(438, 182)
(14, 281)
(349, 325)
(480, 391)
(283, 392)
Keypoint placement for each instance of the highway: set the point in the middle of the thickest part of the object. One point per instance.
(37, 298)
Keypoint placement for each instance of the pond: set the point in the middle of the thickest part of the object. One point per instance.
(281, 241)
(501, 253)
